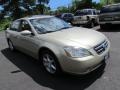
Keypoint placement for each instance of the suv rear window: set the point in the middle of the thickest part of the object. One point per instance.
(79, 13)
(109, 9)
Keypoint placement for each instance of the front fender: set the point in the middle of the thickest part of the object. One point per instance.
(56, 49)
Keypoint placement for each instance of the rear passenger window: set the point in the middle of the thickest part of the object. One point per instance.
(69, 15)
(65, 15)
(79, 13)
(15, 26)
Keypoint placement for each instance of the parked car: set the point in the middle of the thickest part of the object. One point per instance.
(58, 45)
(68, 17)
(87, 17)
(109, 14)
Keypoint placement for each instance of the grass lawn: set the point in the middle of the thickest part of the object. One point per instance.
(4, 23)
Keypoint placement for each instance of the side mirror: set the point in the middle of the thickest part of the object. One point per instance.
(26, 32)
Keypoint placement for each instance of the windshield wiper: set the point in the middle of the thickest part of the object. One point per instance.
(64, 28)
(47, 32)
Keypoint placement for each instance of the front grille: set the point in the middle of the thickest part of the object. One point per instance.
(100, 48)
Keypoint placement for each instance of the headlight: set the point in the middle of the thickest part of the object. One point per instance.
(77, 52)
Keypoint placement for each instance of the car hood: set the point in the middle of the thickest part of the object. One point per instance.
(79, 35)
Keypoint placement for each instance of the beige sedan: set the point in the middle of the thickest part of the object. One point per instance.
(58, 45)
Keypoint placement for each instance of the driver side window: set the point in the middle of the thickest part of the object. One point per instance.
(25, 26)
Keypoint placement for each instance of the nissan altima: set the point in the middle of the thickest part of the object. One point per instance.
(58, 45)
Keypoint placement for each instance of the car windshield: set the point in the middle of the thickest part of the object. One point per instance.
(51, 24)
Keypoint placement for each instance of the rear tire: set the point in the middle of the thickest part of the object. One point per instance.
(92, 24)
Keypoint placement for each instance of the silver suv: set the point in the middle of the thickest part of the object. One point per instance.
(58, 45)
(87, 17)
(109, 14)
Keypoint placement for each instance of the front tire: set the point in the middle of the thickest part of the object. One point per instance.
(92, 24)
(103, 26)
(50, 62)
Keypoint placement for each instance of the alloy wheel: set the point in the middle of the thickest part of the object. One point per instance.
(11, 45)
(49, 63)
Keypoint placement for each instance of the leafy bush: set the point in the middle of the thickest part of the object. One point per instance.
(4, 23)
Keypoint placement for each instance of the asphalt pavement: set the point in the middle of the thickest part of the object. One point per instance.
(21, 72)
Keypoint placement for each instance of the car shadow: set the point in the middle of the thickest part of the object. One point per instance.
(32, 68)
(111, 28)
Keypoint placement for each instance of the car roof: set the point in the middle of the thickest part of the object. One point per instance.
(35, 16)
(89, 9)
(86, 9)
(112, 5)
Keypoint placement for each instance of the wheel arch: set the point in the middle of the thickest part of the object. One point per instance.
(48, 49)
(52, 51)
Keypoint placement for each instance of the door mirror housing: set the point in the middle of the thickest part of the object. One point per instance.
(26, 32)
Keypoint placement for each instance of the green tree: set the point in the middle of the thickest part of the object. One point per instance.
(62, 9)
(14, 7)
(106, 2)
(42, 5)
(97, 5)
(81, 4)
(87, 3)
(22, 8)
(117, 1)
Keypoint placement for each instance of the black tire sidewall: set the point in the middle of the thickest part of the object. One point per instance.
(92, 23)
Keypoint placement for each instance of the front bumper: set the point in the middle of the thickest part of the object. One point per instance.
(83, 65)
(79, 22)
(109, 22)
